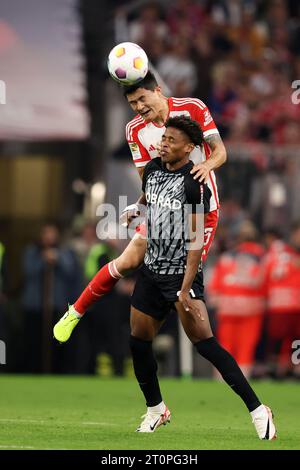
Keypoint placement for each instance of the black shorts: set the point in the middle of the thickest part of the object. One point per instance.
(155, 294)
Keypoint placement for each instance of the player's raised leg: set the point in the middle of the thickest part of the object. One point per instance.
(102, 283)
(196, 324)
(143, 330)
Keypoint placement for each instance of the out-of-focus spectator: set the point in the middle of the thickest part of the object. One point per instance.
(248, 36)
(51, 280)
(282, 271)
(148, 27)
(202, 53)
(96, 326)
(232, 217)
(83, 242)
(262, 79)
(223, 92)
(102, 340)
(185, 18)
(236, 289)
(273, 241)
(178, 70)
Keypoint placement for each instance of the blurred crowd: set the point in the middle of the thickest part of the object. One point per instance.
(55, 270)
(252, 283)
(238, 56)
(253, 293)
(241, 57)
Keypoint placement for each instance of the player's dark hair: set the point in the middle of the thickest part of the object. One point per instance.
(149, 83)
(188, 126)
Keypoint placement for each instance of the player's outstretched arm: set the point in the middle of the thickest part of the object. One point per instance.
(217, 158)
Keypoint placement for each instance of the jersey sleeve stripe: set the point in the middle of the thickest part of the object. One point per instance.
(189, 101)
(210, 132)
(196, 100)
(130, 126)
(213, 184)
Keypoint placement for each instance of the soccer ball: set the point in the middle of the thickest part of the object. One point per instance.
(127, 63)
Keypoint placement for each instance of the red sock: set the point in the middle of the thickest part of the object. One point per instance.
(101, 284)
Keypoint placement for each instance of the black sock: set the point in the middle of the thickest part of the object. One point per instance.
(145, 368)
(229, 369)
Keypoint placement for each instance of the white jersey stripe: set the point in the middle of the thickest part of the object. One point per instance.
(131, 127)
(181, 100)
(189, 98)
(189, 101)
(130, 123)
(212, 178)
(133, 123)
(140, 164)
(210, 132)
(187, 104)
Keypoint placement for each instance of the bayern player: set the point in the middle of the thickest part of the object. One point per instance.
(143, 134)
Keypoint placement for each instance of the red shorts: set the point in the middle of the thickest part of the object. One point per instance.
(210, 228)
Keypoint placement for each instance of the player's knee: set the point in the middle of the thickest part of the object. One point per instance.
(139, 346)
(141, 333)
(127, 262)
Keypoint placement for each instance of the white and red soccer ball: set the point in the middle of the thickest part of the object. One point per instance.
(127, 63)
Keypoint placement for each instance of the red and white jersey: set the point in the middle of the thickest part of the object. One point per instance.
(237, 281)
(282, 277)
(143, 136)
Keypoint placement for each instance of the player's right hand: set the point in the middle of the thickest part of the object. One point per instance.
(128, 214)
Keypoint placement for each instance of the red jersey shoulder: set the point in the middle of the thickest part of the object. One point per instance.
(133, 127)
(197, 109)
(193, 105)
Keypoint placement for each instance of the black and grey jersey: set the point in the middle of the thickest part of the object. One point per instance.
(171, 196)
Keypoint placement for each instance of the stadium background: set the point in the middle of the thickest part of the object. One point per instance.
(63, 152)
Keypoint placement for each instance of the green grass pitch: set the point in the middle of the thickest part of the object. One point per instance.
(45, 412)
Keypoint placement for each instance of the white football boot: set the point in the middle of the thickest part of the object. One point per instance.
(152, 420)
(263, 422)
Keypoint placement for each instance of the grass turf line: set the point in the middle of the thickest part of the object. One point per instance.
(46, 412)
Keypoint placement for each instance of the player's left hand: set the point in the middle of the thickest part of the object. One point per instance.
(128, 214)
(189, 304)
(185, 298)
(201, 172)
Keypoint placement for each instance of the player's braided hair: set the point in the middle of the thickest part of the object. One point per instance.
(149, 83)
(188, 126)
